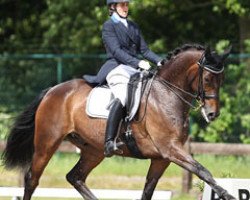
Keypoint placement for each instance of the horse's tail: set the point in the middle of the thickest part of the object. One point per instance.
(19, 148)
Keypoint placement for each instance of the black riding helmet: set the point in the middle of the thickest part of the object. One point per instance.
(116, 1)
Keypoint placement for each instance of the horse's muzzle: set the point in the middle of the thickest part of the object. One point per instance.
(209, 114)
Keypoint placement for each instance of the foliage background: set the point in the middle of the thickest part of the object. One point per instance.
(74, 27)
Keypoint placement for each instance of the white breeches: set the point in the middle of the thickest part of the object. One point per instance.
(118, 79)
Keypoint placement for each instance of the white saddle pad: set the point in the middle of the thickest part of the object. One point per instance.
(98, 102)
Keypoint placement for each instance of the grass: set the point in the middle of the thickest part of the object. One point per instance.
(125, 173)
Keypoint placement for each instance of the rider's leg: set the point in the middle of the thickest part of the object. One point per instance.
(114, 119)
(117, 80)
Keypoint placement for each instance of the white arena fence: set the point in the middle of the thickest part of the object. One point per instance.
(15, 192)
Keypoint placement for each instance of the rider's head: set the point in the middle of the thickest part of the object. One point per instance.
(118, 6)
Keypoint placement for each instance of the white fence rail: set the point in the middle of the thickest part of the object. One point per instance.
(72, 193)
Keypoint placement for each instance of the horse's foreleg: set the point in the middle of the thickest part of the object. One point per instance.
(156, 170)
(77, 176)
(183, 159)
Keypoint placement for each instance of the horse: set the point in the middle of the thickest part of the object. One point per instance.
(58, 113)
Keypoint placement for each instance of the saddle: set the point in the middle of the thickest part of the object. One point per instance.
(100, 98)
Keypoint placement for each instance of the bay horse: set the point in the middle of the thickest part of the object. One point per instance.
(58, 113)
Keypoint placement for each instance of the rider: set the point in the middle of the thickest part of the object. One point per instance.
(123, 42)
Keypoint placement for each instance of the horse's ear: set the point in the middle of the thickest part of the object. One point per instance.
(226, 52)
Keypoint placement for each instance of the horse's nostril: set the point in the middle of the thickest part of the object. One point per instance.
(211, 116)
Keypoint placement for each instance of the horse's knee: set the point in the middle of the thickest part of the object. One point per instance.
(73, 176)
(70, 178)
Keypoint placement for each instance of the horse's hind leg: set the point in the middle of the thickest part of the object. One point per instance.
(183, 159)
(90, 158)
(156, 170)
(44, 148)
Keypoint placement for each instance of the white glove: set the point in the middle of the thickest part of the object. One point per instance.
(162, 62)
(144, 65)
(159, 64)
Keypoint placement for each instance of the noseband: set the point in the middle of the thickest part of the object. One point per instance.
(201, 95)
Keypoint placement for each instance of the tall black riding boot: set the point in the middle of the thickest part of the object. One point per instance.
(114, 119)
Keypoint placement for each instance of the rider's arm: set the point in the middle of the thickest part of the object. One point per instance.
(143, 47)
(147, 53)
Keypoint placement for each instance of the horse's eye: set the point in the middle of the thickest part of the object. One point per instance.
(206, 79)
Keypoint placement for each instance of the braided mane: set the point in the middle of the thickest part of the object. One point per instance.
(183, 48)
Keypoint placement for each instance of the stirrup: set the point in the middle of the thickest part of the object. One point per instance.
(112, 148)
(116, 147)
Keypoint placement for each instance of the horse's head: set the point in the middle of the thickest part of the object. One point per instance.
(210, 74)
(194, 69)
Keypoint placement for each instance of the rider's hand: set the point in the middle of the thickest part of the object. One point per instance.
(144, 65)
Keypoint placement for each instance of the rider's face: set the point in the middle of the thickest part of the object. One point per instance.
(122, 9)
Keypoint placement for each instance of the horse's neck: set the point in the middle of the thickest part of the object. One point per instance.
(169, 97)
(176, 71)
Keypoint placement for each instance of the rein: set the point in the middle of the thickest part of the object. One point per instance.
(173, 88)
(146, 104)
(199, 97)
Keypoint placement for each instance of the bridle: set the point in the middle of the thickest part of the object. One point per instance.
(201, 95)
(202, 66)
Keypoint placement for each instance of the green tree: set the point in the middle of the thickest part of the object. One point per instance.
(74, 26)
(19, 25)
